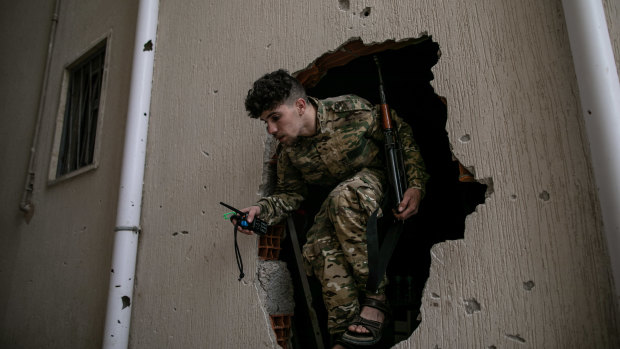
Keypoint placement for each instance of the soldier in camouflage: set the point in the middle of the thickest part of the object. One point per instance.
(335, 143)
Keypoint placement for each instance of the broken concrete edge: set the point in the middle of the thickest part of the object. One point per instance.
(274, 288)
(268, 180)
(266, 318)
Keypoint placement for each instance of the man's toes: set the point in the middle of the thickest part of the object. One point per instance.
(360, 329)
(356, 329)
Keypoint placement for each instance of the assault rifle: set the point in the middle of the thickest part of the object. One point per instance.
(393, 150)
(378, 257)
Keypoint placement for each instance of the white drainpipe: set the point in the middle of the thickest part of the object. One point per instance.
(26, 205)
(599, 90)
(120, 296)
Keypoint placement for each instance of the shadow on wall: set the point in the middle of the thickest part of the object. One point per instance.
(452, 193)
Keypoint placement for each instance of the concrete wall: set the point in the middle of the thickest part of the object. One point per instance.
(612, 14)
(54, 271)
(533, 256)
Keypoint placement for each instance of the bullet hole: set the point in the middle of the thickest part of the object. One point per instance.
(175, 233)
(589, 112)
(126, 301)
(529, 285)
(544, 196)
(471, 306)
(515, 337)
(185, 232)
(148, 46)
(269, 46)
(112, 271)
(435, 304)
(205, 153)
(435, 295)
(513, 197)
(465, 139)
(344, 5)
(118, 321)
(365, 12)
(117, 286)
(215, 92)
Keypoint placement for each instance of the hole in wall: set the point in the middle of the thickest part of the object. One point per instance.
(452, 193)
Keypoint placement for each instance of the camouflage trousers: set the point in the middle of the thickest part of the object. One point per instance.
(336, 251)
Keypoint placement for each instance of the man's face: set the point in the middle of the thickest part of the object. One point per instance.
(283, 122)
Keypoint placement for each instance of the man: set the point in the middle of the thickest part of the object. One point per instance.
(335, 143)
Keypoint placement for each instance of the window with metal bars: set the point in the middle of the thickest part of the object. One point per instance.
(79, 127)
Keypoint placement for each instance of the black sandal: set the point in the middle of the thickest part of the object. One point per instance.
(375, 328)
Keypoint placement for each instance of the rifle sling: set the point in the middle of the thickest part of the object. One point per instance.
(379, 257)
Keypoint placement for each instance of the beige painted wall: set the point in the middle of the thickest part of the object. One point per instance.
(507, 73)
(612, 15)
(55, 270)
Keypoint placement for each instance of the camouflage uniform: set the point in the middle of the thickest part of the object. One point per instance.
(347, 154)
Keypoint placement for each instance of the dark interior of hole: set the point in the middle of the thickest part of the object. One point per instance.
(407, 76)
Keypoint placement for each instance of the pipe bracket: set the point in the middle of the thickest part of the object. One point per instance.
(135, 229)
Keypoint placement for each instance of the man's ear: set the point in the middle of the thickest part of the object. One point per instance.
(300, 104)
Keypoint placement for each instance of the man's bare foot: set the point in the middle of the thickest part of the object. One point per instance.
(369, 313)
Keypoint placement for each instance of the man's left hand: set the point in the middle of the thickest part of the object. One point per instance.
(410, 204)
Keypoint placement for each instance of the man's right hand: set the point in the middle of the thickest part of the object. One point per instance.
(252, 211)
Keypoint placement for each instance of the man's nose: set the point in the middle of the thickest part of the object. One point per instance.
(271, 128)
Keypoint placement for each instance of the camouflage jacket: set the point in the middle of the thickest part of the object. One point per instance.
(349, 137)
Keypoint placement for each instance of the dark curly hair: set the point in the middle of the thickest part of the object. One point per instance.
(272, 90)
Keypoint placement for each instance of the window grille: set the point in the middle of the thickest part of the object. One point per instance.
(79, 128)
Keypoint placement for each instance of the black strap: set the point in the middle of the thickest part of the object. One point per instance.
(238, 255)
(378, 258)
